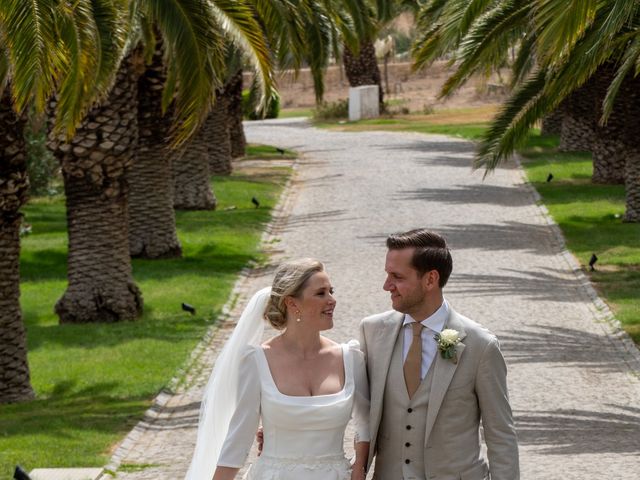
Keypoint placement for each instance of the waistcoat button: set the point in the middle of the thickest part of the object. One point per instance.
(408, 427)
(407, 461)
(407, 444)
(409, 410)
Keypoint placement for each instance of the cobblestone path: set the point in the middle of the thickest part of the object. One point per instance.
(573, 379)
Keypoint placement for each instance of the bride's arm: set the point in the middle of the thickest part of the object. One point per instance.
(359, 467)
(244, 421)
(225, 473)
(360, 412)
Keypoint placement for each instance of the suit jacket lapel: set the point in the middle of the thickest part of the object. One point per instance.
(442, 375)
(386, 336)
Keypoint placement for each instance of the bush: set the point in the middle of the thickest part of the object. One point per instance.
(332, 111)
(42, 167)
(249, 104)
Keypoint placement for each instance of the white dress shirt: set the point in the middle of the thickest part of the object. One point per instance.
(432, 325)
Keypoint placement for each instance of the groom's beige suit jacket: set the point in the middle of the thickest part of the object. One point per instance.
(462, 394)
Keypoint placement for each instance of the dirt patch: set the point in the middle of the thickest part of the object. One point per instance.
(413, 91)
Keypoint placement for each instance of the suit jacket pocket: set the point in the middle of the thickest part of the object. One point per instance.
(478, 472)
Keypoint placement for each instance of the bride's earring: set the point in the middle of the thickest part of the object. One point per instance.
(298, 319)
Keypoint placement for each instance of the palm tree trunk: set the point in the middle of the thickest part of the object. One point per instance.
(152, 219)
(220, 139)
(236, 130)
(608, 148)
(630, 92)
(94, 166)
(552, 122)
(192, 189)
(363, 69)
(632, 186)
(15, 383)
(577, 122)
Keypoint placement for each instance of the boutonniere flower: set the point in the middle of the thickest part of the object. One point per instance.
(447, 340)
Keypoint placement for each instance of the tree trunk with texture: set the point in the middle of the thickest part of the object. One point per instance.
(363, 69)
(152, 219)
(578, 120)
(608, 148)
(552, 122)
(236, 130)
(15, 382)
(192, 186)
(630, 92)
(219, 139)
(94, 166)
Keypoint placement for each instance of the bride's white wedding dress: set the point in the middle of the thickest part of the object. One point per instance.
(303, 436)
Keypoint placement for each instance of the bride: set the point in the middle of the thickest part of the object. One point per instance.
(302, 386)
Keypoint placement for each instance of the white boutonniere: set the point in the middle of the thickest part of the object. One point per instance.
(447, 340)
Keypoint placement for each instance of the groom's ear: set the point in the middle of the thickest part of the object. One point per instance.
(431, 280)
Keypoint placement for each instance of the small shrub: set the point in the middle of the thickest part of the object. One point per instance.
(249, 105)
(332, 111)
(428, 109)
(42, 167)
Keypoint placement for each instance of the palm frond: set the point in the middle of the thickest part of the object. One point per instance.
(511, 126)
(195, 49)
(4, 62)
(79, 38)
(112, 29)
(445, 24)
(620, 15)
(237, 19)
(629, 64)
(318, 38)
(561, 23)
(487, 42)
(525, 59)
(30, 33)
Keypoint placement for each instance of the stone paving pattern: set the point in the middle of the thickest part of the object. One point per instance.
(573, 377)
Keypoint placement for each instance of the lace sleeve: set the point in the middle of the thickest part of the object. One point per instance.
(360, 413)
(245, 420)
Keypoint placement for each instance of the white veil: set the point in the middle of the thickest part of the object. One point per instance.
(219, 399)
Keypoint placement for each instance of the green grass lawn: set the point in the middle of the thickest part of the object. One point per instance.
(588, 215)
(94, 382)
(590, 218)
(295, 112)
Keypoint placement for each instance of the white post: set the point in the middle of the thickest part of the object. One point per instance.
(363, 102)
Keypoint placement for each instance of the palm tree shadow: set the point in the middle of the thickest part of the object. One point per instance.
(503, 196)
(572, 432)
(550, 285)
(561, 345)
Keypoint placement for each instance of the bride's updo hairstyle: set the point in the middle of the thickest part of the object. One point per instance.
(289, 281)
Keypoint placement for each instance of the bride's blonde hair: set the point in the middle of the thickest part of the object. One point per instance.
(289, 281)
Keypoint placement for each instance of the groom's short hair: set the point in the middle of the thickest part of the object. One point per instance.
(431, 251)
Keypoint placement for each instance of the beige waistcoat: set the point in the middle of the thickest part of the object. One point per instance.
(401, 450)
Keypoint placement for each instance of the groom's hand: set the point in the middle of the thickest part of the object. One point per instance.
(260, 440)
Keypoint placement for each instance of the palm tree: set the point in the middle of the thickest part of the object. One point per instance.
(600, 35)
(39, 53)
(192, 189)
(94, 166)
(15, 382)
(236, 131)
(564, 48)
(97, 159)
(152, 221)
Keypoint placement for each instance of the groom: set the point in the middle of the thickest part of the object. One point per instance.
(426, 409)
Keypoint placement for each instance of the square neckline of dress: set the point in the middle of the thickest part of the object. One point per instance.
(275, 386)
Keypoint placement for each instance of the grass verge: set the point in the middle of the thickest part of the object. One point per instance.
(94, 382)
(588, 215)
